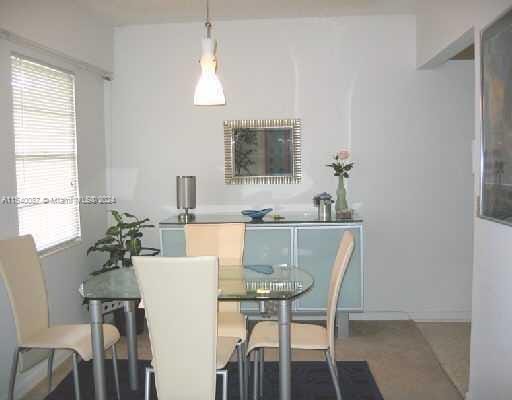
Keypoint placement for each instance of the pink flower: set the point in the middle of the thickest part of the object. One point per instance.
(344, 154)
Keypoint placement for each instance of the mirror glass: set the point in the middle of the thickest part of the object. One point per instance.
(262, 151)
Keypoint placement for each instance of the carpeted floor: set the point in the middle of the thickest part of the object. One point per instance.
(450, 343)
(311, 381)
(400, 358)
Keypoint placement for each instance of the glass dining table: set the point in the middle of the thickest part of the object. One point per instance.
(280, 283)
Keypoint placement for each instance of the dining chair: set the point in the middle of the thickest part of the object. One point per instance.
(306, 336)
(180, 299)
(226, 241)
(21, 271)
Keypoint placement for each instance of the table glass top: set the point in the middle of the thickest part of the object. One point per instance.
(236, 282)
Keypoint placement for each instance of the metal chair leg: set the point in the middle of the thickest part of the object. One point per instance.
(116, 371)
(225, 385)
(262, 364)
(241, 368)
(255, 371)
(50, 370)
(246, 371)
(76, 379)
(334, 375)
(147, 383)
(224, 373)
(14, 370)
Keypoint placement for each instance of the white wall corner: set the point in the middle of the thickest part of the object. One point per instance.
(449, 51)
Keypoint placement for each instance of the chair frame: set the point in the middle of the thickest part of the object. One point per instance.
(75, 355)
(258, 363)
(258, 370)
(76, 360)
(241, 346)
(242, 370)
(151, 370)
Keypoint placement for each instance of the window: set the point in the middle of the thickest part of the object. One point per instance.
(45, 145)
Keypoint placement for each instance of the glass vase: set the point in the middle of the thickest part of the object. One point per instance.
(341, 206)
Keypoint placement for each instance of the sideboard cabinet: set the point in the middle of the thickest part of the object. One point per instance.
(306, 243)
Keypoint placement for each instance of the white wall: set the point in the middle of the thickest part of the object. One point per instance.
(354, 83)
(64, 270)
(491, 348)
(62, 25)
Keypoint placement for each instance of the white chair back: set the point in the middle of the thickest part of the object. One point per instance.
(225, 241)
(23, 278)
(180, 298)
(337, 273)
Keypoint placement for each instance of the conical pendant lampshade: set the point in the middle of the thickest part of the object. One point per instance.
(209, 91)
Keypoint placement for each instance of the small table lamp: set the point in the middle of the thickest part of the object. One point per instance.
(186, 197)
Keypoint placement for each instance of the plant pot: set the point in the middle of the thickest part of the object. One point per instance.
(120, 320)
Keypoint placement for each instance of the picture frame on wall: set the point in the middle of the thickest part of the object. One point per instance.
(496, 103)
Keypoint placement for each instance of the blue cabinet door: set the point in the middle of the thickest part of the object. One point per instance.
(267, 246)
(173, 242)
(316, 251)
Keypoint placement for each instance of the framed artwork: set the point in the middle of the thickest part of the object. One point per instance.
(496, 156)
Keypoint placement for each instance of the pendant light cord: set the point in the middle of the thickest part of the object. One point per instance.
(208, 24)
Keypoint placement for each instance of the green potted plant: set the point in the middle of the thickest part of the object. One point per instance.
(121, 242)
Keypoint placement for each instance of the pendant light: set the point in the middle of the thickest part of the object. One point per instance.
(209, 90)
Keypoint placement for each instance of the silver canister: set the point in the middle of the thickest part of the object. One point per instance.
(323, 202)
(186, 196)
(324, 210)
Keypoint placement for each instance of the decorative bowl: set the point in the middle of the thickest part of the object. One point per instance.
(256, 215)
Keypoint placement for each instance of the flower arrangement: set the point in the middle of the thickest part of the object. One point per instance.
(341, 168)
(340, 165)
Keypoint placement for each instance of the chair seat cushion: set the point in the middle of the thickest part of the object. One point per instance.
(71, 337)
(225, 348)
(303, 336)
(232, 324)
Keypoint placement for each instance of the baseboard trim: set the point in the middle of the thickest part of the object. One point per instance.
(441, 316)
(380, 316)
(29, 380)
(428, 316)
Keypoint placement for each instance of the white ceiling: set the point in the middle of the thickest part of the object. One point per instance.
(132, 12)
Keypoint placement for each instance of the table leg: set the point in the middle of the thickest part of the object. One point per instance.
(131, 338)
(285, 350)
(98, 349)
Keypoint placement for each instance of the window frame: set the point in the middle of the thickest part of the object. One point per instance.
(64, 67)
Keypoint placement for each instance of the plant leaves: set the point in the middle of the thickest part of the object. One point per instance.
(116, 216)
(113, 230)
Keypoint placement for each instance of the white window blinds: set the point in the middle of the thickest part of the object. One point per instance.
(45, 143)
